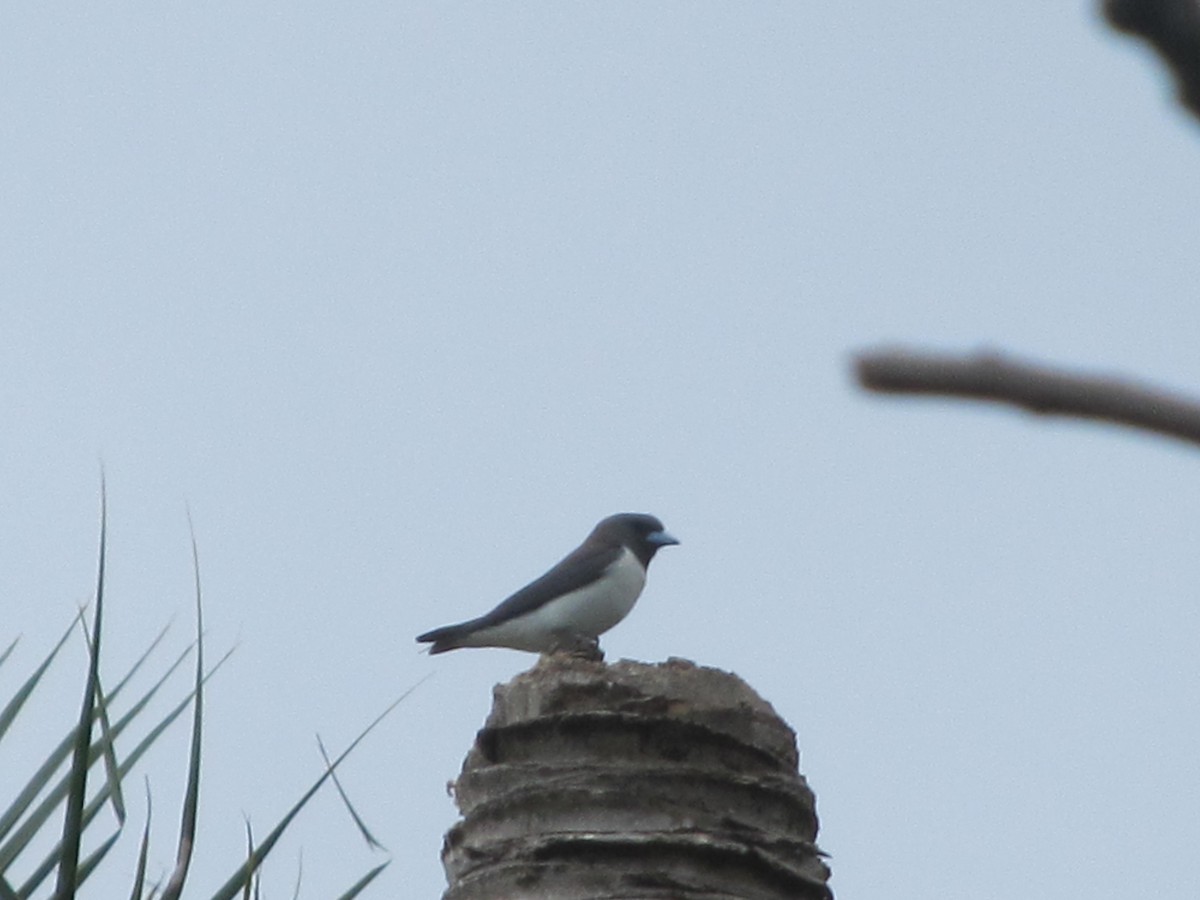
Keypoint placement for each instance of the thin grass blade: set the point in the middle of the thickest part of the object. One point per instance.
(9, 713)
(299, 875)
(362, 827)
(96, 857)
(8, 652)
(72, 833)
(139, 878)
(361, 885)
(107, 747)
(133, 670)
(46, 807)
(229, 890)
(40, 779)
(249, 857)
(187, 825)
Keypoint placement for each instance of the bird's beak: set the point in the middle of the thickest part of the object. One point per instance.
(661, 539)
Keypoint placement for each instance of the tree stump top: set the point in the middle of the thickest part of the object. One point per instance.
(632, 780)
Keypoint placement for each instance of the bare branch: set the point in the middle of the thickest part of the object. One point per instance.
(1172, 27)
(1037, 388)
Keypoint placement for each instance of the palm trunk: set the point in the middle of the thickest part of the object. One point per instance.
(632, 781)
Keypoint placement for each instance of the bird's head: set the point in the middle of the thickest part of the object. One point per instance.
(643, 534)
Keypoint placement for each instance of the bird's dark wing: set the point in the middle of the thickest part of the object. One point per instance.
(576, 570)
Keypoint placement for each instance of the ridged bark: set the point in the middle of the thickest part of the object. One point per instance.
(632, 781)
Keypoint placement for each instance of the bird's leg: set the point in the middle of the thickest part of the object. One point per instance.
(583, 646)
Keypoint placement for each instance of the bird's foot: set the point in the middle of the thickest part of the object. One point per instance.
(578, 646)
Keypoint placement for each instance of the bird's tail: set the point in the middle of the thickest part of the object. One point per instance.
(442, 639)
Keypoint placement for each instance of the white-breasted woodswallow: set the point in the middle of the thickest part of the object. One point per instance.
(592, 589)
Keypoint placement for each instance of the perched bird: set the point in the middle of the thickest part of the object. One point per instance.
(592, 589)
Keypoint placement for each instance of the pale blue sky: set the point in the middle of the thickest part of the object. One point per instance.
(402, 298)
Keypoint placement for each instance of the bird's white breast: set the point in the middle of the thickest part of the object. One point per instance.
(590, 611)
